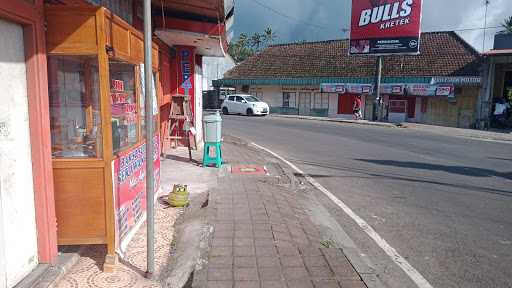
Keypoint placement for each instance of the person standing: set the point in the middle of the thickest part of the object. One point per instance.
(357, 108)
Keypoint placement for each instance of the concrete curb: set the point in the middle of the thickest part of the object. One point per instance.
(191, 234)
(358, 122)
(482, 137)
(48, 276)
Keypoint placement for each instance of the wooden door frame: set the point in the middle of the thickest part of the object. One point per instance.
(31, 18)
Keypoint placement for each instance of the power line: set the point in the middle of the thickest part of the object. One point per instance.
(345, 30)
(294, 18)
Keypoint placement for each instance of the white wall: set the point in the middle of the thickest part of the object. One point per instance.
(272, 95)
(214, 69)
(18, 241)
(333, 105)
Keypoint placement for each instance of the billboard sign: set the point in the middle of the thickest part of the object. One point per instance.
(381, 27)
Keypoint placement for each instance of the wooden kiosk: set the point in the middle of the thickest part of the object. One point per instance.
(97, 125)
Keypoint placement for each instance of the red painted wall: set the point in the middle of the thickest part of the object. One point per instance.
(31, 17)
(346, 104)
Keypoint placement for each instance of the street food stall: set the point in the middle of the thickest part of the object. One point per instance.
(96, 90)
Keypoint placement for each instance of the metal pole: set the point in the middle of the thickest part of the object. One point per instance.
(150, 180)
(378, 99)
(487, 2)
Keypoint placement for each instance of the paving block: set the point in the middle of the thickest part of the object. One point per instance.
(267, 262)
(273, 284)
(271, 274)
(221, 251)
(295, 273)
(219, 284)
(291, 261)
(245, 262)
(300, 284)
(326, 284)
(315, 261)
(221, 262)
(266, 251)
(246, 274)
(241, 251)
(247, 284)
(220, 274)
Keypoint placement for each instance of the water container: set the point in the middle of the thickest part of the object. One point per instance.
(212, 123)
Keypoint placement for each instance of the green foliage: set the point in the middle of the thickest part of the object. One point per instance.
(246, 46)
(269, 36)
(507, 26)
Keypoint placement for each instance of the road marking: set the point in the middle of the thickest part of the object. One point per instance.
(415, 276)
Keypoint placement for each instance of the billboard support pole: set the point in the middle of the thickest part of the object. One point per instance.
(378, 99)
(150, 180)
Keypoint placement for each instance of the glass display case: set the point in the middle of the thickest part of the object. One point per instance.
(96, 111)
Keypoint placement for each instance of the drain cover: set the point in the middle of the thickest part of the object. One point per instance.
(249, 170)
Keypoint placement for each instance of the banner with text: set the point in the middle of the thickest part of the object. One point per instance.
(381, 27)
(130, 188)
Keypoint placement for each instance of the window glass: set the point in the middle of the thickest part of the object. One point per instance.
(231, 98)
(325, 101)
(286, 99)
(239, 99)
(289, 100)
(75, 116)
(123, 105)
(251, 99)
(142, 106)
(318, 101)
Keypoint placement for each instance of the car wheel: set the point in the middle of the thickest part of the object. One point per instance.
(249, 112)
(225, 111)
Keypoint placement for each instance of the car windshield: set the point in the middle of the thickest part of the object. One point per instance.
(251, 99)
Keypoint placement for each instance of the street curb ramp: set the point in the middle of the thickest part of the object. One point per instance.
(190, 243)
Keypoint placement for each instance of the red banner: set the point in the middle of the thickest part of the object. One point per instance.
(382, 27)
(130, 187)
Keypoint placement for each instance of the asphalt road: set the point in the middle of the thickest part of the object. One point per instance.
(444, 203)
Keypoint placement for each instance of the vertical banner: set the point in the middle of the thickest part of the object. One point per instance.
(381, 27)
(186, 67)
(130, 189)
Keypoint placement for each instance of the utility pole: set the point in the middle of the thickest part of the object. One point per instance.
(378, 100)
(487, 2)
(150, 175)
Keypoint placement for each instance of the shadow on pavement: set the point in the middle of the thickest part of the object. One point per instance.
(460, 170)
(367, 174)
(503, 159)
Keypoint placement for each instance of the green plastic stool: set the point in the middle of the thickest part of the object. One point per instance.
(207, 159)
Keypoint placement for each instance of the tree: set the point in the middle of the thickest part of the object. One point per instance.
(507, 25)
(269, 36)
(256, 40)
(246, 46)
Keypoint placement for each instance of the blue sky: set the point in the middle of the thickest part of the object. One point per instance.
(314, 20)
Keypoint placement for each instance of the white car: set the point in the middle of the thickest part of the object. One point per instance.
(244, 104)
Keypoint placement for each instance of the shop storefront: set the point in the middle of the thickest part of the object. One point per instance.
(96, 77)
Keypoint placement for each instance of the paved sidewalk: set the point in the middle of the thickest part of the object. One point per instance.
(130, 271)
(263, 235)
